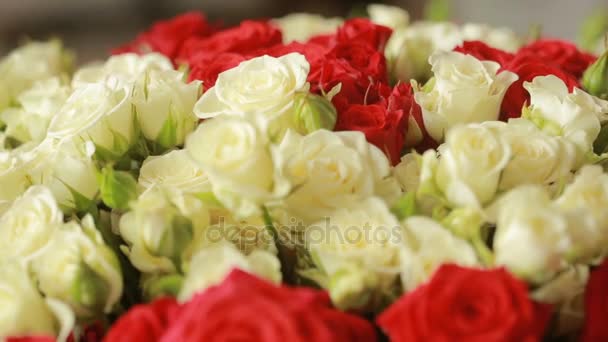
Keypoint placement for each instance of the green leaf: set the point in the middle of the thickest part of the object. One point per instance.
(593, 28)
(405, 206)
(118, 188)
(601, 143)
(437, 10)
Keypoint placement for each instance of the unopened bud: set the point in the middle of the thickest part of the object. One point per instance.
(313, 112)
(595, 78)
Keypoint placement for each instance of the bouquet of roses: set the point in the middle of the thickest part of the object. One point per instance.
(305, 179)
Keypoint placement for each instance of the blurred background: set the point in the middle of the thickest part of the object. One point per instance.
(92, 27)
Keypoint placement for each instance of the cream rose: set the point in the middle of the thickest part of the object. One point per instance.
(407, 172)
(329, 170)
(23, 311)
(426, 246)
(537, 158)
(497, 37)
(532, 235)
(357, 247)
(173, 170)
(29, 223)
(80, 270)
(163, 102)
(464, 90)
(302, 26)
(161, 228)
(261, 88)
(575, 116)
(13, 178)
(470, 164)
(389, 16)
(37, 106)
(98, 113)
(240, 163)
(211, 265)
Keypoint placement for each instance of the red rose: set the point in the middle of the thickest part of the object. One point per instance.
(561, 54)
(383, 128)
(527, 67)
(246, 308)
(596, 305)
(144, 322)
(167, 36)
(463, 304)
(402, 97)
(246, 38)
(364, 31)
(362, 57)
(207, 67)
(484, 52)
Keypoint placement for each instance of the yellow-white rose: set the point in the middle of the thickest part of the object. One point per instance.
(67, 171)
(13, 178)
(471, 162)
(80, 270)
(407, 172)
(123, 69)
(426, 246)
(575, 116)
(532, 236)
(357, 247)
(464, 90)
(37, 106)
(389, 16)
(566, 293)
(240, 163)
(408, 49)
(302, 26)
(496, 37)
(29, 223)
(173, 170)
(29, 63)
(99, 113)
(163, 102)
(23, 311)
(161, 228)
(211, 265)
(537, 158)
(261, 88)
(329, 170)
(587, 196)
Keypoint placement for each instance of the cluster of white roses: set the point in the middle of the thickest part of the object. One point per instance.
(126, 161)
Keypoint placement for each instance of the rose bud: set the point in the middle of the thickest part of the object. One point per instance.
(595, 78)
(313, 112)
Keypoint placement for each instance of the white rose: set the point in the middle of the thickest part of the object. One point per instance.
(29, 63)
(587, 196)
(407, 172)
(98, 113)
(566, 293)
(575, 116)
(302, 26)
(464, 90)
(23, 311)
(123, 69)
(13, 178)
(29, 224)
(160, 229)
(173, 170)
(497, 37)
(532, 236)
(389, 16)
(163, 102)
(38, 105)
(537, 158)
(79, 269)
(69, 173)
(408, 49)
(329, 170)
(261, 88)
(239, 162)
(357, 247)
(472, 160)
(427, 246)
(211, 265)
